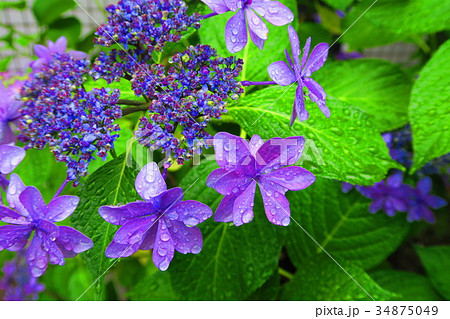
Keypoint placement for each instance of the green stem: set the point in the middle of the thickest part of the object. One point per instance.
(285, 273)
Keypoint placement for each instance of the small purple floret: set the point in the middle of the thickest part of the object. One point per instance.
(244, 165)
(162, 222)
(300, 71)
(27, 213)
(249, 13)
(421, 201)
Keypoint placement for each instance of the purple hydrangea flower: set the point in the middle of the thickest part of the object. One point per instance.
(17, 283)
(45, 53)
(9, 110)
(28, 213)
(10, 158)
(243, 165)
(421, 200)
(300, 72)
(77, 125)
(390, 195)
(185, 98)
(146, 24)
(248, 12)
(162, 222)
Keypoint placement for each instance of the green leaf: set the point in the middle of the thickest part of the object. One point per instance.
(269, 291)
(339, 4)
(112, 184)
(342, 225)
(321, 279)
(4, 63)
(256, 61)
(409, 286)
(410, 16)
(47, 11)
(123, 85)
(361, 32)
(436, 261)
(19, 5)
(429, 109)
(69, 27)
(379, 88)
(344, 147)
(154, 287)
(235, 261)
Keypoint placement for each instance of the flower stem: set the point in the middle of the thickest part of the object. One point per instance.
(134, 109)
(212, 14)
(249, 83)
(285, 273)
(61, 188)
(131, 102)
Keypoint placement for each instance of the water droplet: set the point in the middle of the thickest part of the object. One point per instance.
(196, 249)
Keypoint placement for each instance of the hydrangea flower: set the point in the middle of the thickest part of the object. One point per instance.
(185, 98)
(248, 12)
(162, 222)
(10, 158)
(17, 283)
(146, 24)
(243, 165)
(421, 200)
(9, 111)
(45, 53)
(28, 213)
(391, 195)
(77, 125)
(300, 72)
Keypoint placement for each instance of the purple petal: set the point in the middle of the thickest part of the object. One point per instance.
(55, 255)
(216, 5)
(293, 178)
(280, 152)
(256, 24)
(164, 247)
(295, 47)
(60, 45)
(395, 180)
(186, 239)
(42, 52)
(231, 183)
(71, 240)
(61, 207)
(149, 182)
(306, 51)
(232, 4)
(255, 143)
(259, 42)
(299, 106)
(276, 204)
(38, 64)
(435, 202)
(215, 176)
(281, 73)
(115, 250)
(243, 205)
(135, 230)
(6, 134)
(236, 32)
(10, 157)
(33, 202)
(15, 188)
(14, 237)
(119, 215)
(346, 187)
(229, 149)
(149, 239)
(317, 95)
(317, 59)
(376, 205)
(224, 212)
(7, 215)
(170, 198)
(36, 257)
(425, 185)
(78, 55)
(190, 212)
(273, 11)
